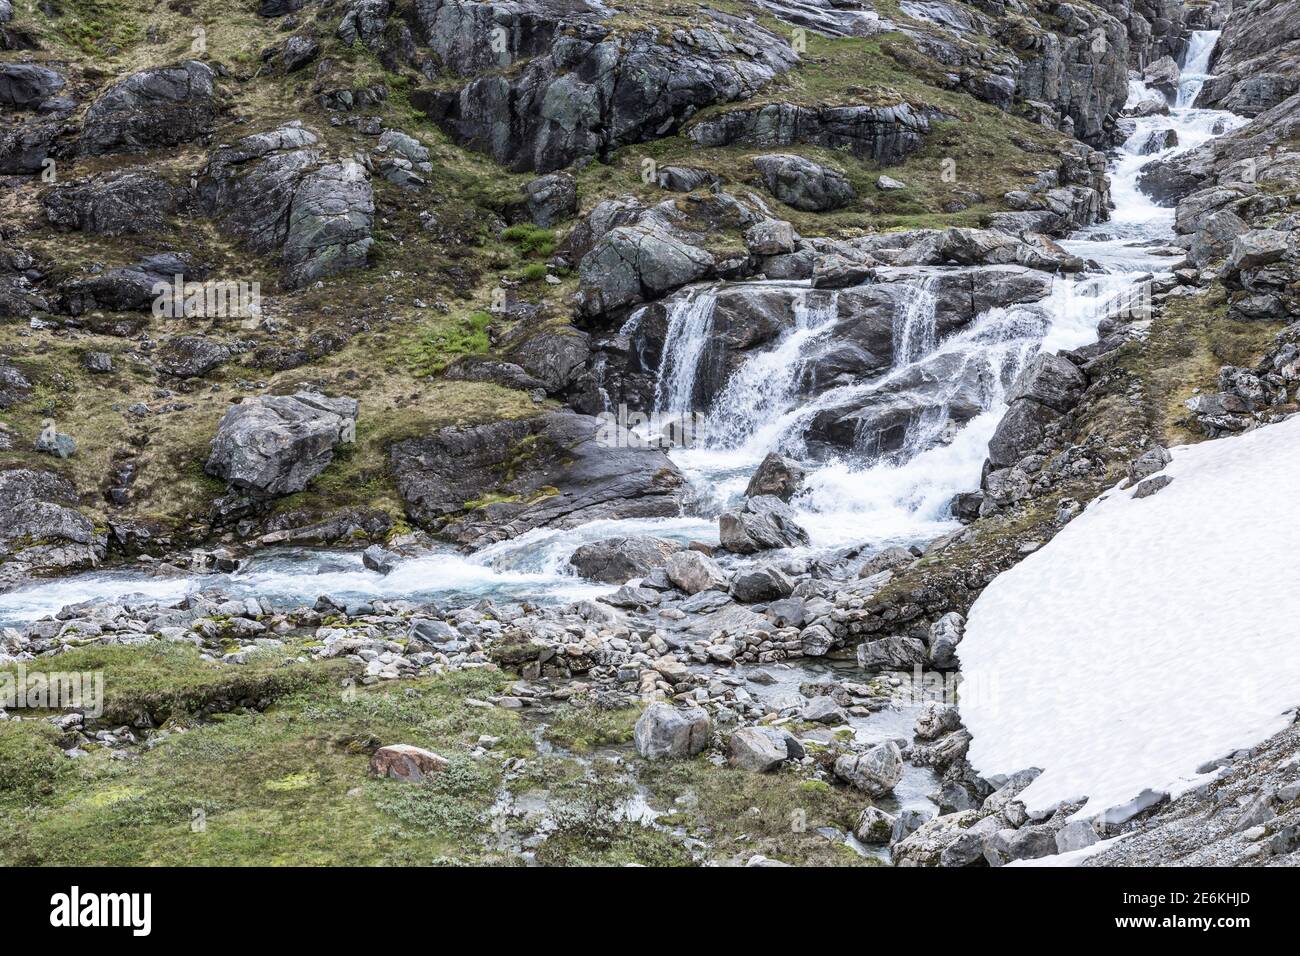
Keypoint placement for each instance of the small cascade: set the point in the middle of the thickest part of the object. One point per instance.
(1196, 67)
(766, 385)
(686, 339)
(914, 329)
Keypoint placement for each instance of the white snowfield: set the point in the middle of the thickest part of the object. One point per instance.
(1149, 637)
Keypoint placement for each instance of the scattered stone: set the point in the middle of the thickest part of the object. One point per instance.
(406, 762)
(664, 732)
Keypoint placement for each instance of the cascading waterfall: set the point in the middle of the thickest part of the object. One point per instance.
(1196, 66)
(687, 337)
(914, 328)
(765, 386)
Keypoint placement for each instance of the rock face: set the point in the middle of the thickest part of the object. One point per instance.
(884, 135)
(482, 483)
(764, 522)
(665, 733)
(129, 288)
(804, 184)
(1046, 389)
(406, 762)
(276, 193)
(274, 445)
(160, 107)
(615, 560)
(631, 264)
(40, 527)
(1079, 69)
(113, 205)
(1257, 60)
(582, 88)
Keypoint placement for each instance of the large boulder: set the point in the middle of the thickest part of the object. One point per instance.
(163, 106)
(615, 560)
(476, 484)
(804, 184)
(693, 571)
(406, 762)
(663, 732)
(762, 748)
(552, 199)
(190, 356)
(637, 263)
(145, 286)
(777, 476)
(275, 445)
(764, 522)
(27, 86)
(875, 772)
(1050, 380)
(40, 527)
(278, 194)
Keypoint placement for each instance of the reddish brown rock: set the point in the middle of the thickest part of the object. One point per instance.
(405, 762)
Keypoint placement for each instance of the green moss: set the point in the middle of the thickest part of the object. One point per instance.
(581, 725)
(432, 348)
(31, 764)
(531, 240)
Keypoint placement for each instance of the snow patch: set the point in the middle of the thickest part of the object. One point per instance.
(1151, 635)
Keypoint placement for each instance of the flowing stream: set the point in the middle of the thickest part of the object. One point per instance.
(862, 499)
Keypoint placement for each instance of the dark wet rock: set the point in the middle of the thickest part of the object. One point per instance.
(1021, 430)
(27, 85)
(27, 147)
(552, 199)
(777, 476)
(891, 653)
(379, 559)
(164, 106)
(583, 89)
(1152, 485)
(553, 356)
(276, 444)
(1050, 380)
(804, 184)
(615, 560)
(481, 483)
(114, 204)
(763, 583)
(880, 134)
(277, 194)
(762, 523)
(138, 287)
(298, 52)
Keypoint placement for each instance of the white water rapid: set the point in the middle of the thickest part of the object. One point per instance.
(853, 500)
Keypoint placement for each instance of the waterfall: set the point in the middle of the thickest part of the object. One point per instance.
(1196, 66)
(687, 337)
(914, 328)
(764, 386)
